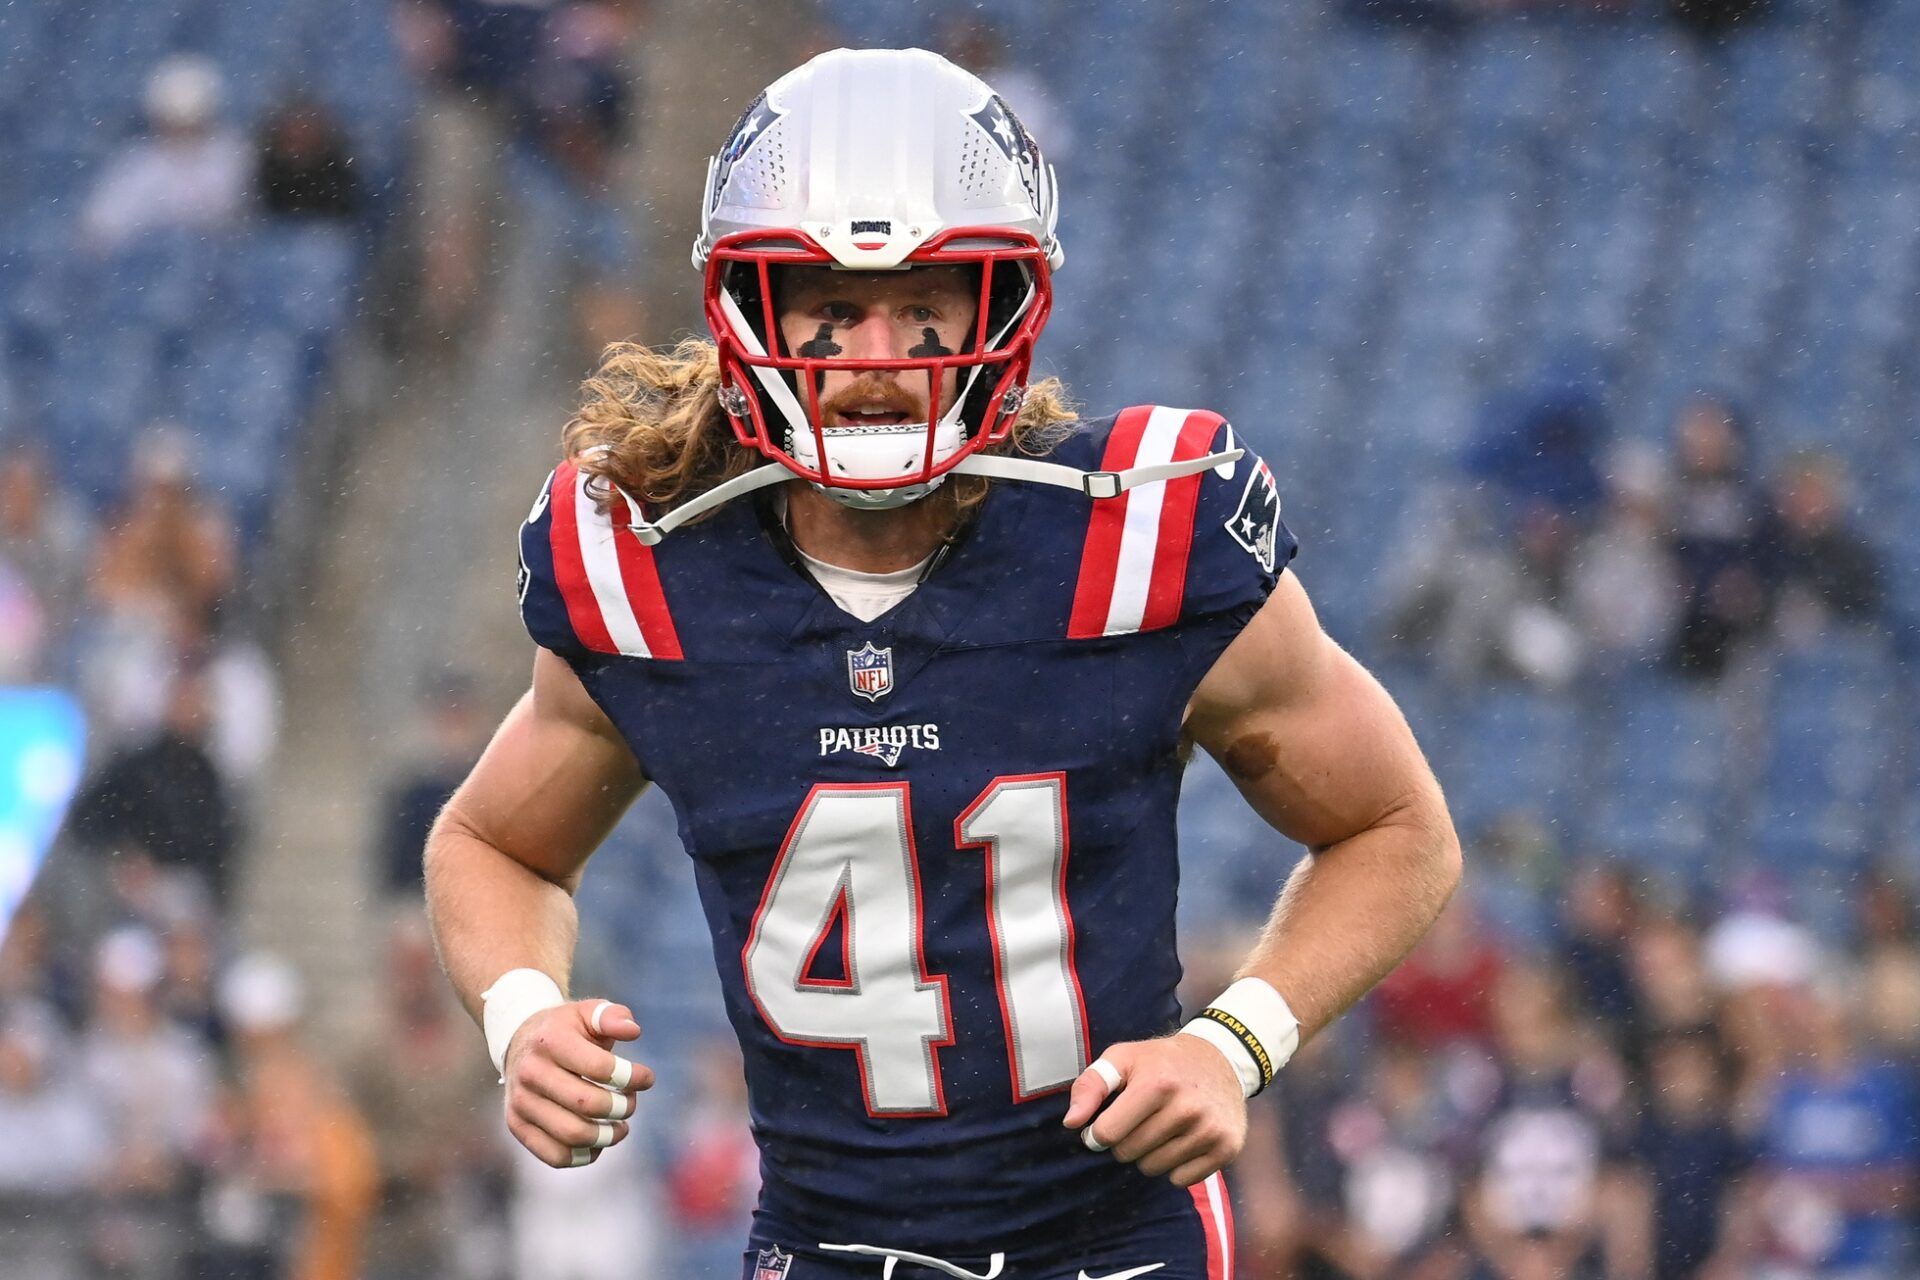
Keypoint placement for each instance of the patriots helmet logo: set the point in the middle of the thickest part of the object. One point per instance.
(870, 671)
(754, 121)
(1254, 522)
(997, 120)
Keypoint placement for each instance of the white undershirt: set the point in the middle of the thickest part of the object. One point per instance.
(864, 595)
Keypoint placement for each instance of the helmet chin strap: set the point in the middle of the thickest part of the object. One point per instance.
(1097, 485)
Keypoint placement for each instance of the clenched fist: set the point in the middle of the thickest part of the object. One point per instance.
(1177, 1109)
(568, 1093)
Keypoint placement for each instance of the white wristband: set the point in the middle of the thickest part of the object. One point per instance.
(514, 997)
(1250, 1006)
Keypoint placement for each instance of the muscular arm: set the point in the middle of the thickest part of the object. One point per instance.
(1321, 752)
(508, 851)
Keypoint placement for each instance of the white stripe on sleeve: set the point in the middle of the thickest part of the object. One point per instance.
(603, 573)
(1140, 536)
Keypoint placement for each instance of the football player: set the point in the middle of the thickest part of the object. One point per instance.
(918, 656)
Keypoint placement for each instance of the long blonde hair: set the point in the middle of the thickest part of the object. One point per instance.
(650, 421)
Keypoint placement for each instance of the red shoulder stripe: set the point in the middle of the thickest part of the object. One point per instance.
(569, 565)
(641, 575)
(1100, 558)
(1168, 587)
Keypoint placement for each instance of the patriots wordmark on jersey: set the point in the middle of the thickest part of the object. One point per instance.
(936, 851)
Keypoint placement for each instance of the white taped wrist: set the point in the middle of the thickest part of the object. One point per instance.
(1253, 1028)
(514, 997)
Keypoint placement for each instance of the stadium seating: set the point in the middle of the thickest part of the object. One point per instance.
(1370, 233)
(230, 335)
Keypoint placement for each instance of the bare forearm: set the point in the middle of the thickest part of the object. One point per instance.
(491, 914)
(1350, 912)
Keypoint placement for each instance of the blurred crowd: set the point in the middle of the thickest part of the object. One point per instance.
(1563, 555)
(194, 170)
(528, 107)
(1650, 1090)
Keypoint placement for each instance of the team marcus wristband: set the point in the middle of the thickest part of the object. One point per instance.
(515, 996)
(1252, 1027)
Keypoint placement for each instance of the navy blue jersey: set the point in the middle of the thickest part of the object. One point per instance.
(936, 851)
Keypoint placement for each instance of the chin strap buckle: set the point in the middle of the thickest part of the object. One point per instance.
(1102, 484)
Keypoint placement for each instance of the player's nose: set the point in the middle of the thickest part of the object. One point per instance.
(872, 336)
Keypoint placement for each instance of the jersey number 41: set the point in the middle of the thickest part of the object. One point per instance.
(850, 857)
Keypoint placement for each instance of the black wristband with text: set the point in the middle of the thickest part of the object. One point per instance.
(1241, 1032)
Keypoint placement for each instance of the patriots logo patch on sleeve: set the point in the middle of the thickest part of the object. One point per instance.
(1254, 522)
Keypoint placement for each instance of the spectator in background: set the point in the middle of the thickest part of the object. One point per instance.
(188, 988)
(1443, 993)
(1671, 992)
(53, 1142)
(162, 586)
(574, 128)
(1394, 1144)
(1720, 539)
(164, 546)
(190, 173)
(1553, 1191)
(24, 624)
(452, 733)
(1484, 598)
(1759, 965)
(480, 48)
(43, 549)
(1825, 571)
(430, 1102)
(1837, 1154)
(53, 1139)
(1545, 454)
(1890, 976)
(1494, 596)
(26, 957)
(1692, 1155)
(166, 797)
(1601, 916)
(305, 164)
(1713, 21)
(292, 1176)
(130, 1055)
(1622, 584)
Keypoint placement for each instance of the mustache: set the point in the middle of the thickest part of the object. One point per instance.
(870, 393)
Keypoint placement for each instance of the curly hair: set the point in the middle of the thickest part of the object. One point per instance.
(650, 422)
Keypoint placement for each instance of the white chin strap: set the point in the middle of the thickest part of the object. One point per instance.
(1095, 484)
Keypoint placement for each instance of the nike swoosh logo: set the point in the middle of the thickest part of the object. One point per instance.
(1125, 1275)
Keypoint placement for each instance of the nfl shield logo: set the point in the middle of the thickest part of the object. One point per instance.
(772, 1264)
(870, 671)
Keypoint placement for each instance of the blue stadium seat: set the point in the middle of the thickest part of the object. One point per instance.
(1660, 778)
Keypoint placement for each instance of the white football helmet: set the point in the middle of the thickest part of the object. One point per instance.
(882, 160)
(876, 160)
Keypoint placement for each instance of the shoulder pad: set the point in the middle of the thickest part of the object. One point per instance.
(587, 585)
(1192, 546)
